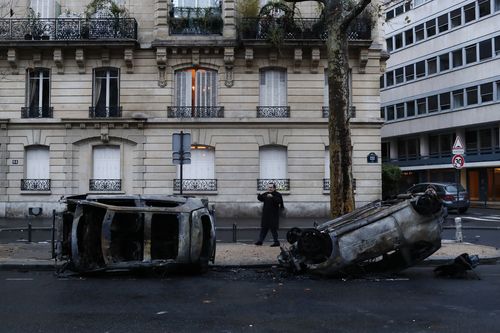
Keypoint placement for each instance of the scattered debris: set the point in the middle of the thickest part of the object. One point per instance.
(459, 267)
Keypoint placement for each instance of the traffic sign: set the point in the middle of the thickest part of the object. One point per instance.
(458, 161)
(458, 147)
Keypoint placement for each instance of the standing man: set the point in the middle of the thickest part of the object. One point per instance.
(273, 203)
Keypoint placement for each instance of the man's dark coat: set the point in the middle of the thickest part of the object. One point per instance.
(271, 209)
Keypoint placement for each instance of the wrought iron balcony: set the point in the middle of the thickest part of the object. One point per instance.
(196, 21)
(281, 184)
(195, 184)
(273, 112)
(105, 185)
(68, 29)
(195, 112)
(35, 184)
(37, 112)
(270, 28)
(326, 184)
(105, 112)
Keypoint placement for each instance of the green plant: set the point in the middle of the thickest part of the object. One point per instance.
(106, 6)
(247, 8)
(391, 175)
(34, 23)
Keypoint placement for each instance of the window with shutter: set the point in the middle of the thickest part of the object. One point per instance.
(200, 174)
(37, 162)
(46, 8)
(38, 93)
(106, 162)
(106, 92)
(202, 91)
(273, 167)
(273, 87)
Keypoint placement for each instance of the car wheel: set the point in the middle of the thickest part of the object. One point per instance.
(463, 210)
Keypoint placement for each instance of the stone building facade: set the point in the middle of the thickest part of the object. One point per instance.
(89, 105)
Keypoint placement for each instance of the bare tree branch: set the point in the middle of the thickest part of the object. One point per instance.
(354, 12)
(321, 1)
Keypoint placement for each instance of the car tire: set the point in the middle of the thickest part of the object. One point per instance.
(463, 210)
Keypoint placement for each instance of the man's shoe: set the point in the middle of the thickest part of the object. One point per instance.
(258, 243)
(275, 244)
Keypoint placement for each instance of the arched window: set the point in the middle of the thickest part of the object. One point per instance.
(196, 94)
(38, 94)
(37, 175)
(273, 168)
(199, 175)
(273, 94)
(106, 93)
(106, 174)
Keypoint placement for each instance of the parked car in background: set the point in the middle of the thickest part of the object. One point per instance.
(447, 192)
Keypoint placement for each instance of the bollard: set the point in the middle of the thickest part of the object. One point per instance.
(53, 233)
(29, 232)
(235, 238)
(458, 229)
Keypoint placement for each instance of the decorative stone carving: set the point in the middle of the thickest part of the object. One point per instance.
(80, 60)
(297, 60)
(363, 60)
(315, 57)
(195, 56)
(104, 133)
(12, 60)
(128, 57)
(161, 62)
(59, 61)
(229, 64)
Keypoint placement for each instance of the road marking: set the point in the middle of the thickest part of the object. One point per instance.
(19, 279)
(486, 219)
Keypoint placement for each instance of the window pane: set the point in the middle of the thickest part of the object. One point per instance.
(409, 37)
(419, 32)
(410, 72)
(398, 41)
(497, 44)
(443, 23)
(456, 17)
(431, 66)
(389, 78)
(432, 103)
(457, 58)
(458, 99)
(389, 14)
(410, 108)
(382, 112)
(420, 68)
(400, 110)
(444, 101)
(497, 5)
(421, 106)
(472, 95)
(486, 92)
(399, 10)
(471, 140)
(444, 62)
(390, 112)
(485, 49)
(430, 27)
(470, 12)
(445, 143)
(381, 85)
(484, 7)
(485, 139)
(389, 44)
(470, 54)
(113, 92)
(399, 75)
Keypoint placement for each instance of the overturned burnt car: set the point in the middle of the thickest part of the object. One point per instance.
(379, 237)
(116, 232)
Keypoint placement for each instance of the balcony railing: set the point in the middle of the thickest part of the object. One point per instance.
(281, 184)
(35, 184)
(266, 28)
(195, 184)
(326, 184)
(105, 112)
(37, 112)
(68, 29)
(105, 185)
(196, 21)
(195, 111)
(273, 111)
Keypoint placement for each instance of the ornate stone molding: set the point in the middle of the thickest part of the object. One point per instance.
(37, 59)
(12, 60)
(59, 60)
(128, 57)
(195, 56)
(363, 60)
(315, 57)
(229, 64)
(80, 60)
(161, 63)
(297, 60)
(104, 133)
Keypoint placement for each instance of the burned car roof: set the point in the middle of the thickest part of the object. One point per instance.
(109, 232)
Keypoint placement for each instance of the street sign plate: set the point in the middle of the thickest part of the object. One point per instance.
(458, 161)
(458, 147)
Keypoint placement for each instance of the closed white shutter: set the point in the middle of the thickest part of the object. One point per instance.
(106, 162)
(202, 165)
(273, 163)
(183, 90)
(37, 163)
(273, 88)
(46, 8)
(206, 88)
(327, 163)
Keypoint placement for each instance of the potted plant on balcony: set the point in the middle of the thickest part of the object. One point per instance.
(105, 9)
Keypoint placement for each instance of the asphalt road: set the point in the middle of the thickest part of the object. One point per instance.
(250, 301)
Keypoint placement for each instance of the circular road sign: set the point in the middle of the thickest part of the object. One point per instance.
(458, 161)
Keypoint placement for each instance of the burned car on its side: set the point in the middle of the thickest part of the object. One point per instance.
(115, 232)
(384, 236)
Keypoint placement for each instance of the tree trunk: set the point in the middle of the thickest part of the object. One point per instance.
(341, 190)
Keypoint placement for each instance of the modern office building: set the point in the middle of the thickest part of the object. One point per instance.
(443, 81)
(90, 99)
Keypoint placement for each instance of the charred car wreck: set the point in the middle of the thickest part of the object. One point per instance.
(379, 237)
(116, 232)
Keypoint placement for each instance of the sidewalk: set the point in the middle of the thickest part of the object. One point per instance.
(37, 256)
